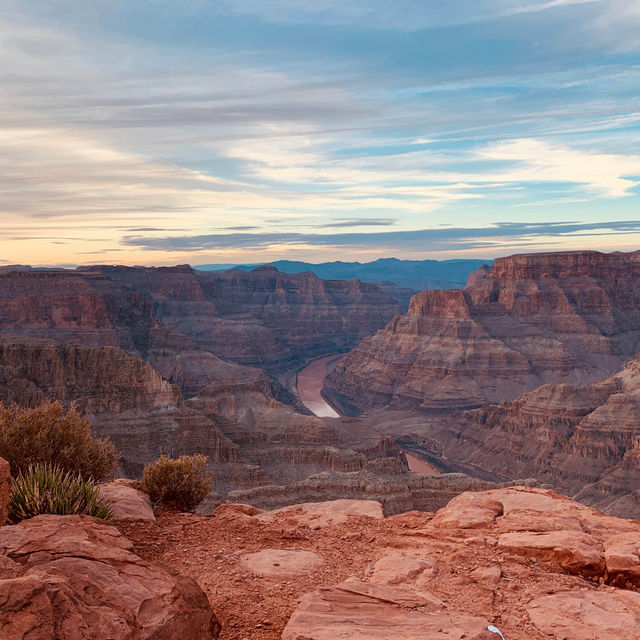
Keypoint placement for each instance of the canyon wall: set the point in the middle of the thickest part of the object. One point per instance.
(183, 321)
(529, 320)
(250, 437)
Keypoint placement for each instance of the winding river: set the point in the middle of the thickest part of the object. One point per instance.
(309, 385)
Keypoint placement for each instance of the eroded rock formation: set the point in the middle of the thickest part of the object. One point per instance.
(532, 563)
(177, 318)
(584, 441)
(568, 318)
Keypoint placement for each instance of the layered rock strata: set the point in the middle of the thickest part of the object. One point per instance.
(250, 438)
(584, 441)
(176, 318)
(569, 318)
(386, 481)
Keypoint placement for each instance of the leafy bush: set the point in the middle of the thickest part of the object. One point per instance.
(50, 435)
(183, 483)
(48, 489)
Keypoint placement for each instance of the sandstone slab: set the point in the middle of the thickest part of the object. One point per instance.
(401, 567)
(574, 551)
(280, 564)
(358, 611)
(588, 615)
(317, 515)
(622, 556)
(469, 511)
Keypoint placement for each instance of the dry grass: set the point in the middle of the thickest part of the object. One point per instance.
(183, 483)
(50, 434)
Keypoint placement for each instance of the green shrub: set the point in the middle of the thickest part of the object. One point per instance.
(52, 435)
(48, 489)
(183, 483)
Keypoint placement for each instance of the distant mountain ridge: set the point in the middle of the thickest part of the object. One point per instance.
(414, 274)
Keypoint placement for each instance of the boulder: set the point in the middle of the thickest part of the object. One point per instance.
(127, 501)
(76, 578)
(577, 552)
(622, 556)
(469, 510)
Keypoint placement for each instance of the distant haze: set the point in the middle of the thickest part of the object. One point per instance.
(414, 274)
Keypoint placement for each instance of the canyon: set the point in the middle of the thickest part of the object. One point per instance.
(520, 374)
(174, 361)
(527, 372)
(375, 473)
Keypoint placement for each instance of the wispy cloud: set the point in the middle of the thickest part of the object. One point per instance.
(402, 14)
(439, 239)
(139, 120)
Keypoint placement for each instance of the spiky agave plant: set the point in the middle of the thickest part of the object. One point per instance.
(45, 488)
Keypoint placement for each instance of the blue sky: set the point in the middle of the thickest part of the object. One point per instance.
(157, 132)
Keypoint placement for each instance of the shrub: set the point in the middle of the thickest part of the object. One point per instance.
(183, 483)
(48, 489)
(52, 435)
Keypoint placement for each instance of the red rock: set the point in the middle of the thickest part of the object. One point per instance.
(622, 556)
(127, 501)
(359, 611)
(317, 515)
(574, 551)
(469, 511)
(76, 578)
(588, 615)
(280, 564)
(401, 568)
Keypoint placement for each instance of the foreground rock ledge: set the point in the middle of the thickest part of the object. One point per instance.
(75, 578)
(512, 542)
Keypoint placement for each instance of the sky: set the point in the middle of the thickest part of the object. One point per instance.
(238, 131)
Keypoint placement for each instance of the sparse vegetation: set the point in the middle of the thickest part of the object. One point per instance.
(51, 435)
(183, 482)
(48, 489)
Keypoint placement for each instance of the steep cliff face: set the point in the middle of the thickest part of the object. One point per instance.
(582, 440)
(553, 318)
(288, 446)
(87, 308)
(250, 438)
(302, 313)
(175, 317)
(124, 397)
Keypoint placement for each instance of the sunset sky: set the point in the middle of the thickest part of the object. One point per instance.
(175, 131)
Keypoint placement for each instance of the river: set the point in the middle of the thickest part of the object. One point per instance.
(309, 385)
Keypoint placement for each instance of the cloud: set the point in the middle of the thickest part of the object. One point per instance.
(610, 175)
(358, 222)
(440, 239)
(131, 125)
(401, 14)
